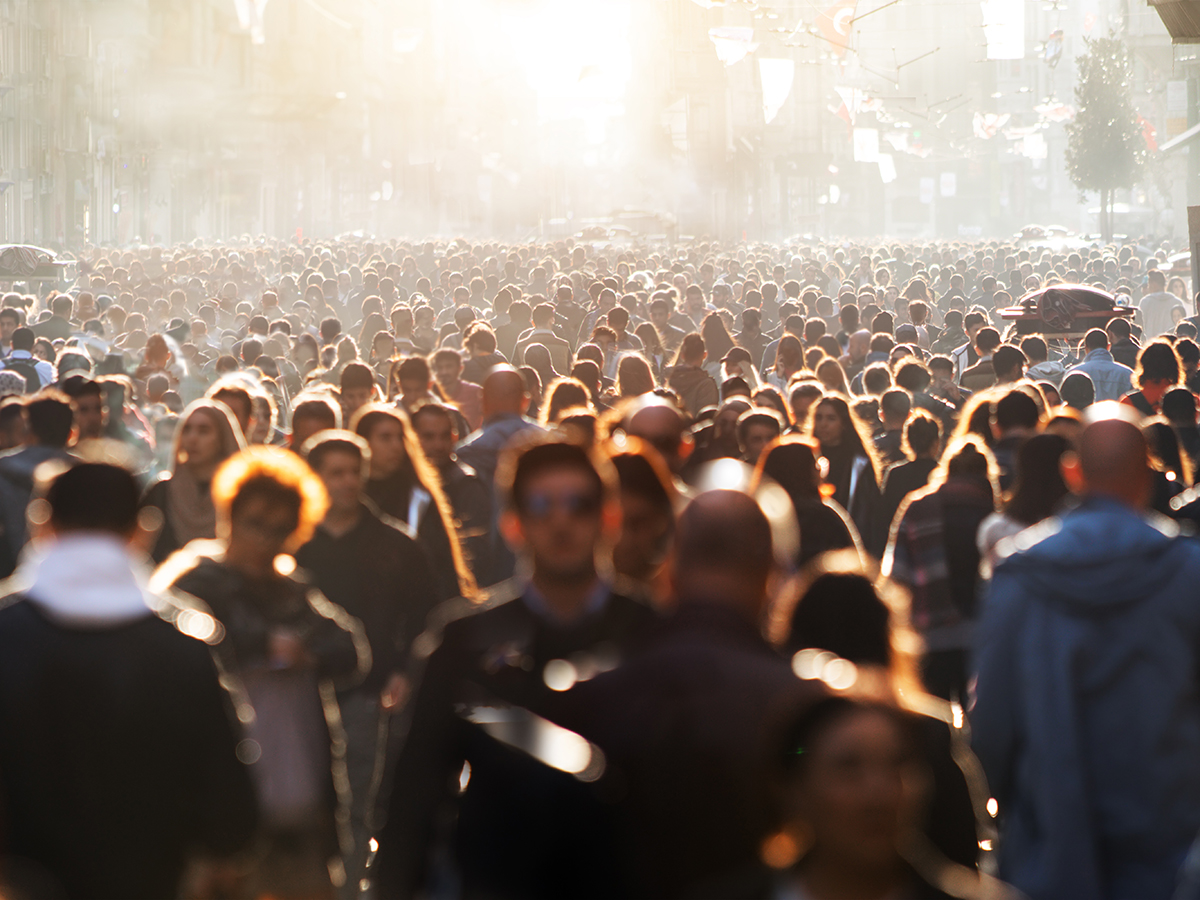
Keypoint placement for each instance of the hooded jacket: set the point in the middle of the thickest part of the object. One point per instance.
(1087, 717)
(695, 387)
(1047, 370)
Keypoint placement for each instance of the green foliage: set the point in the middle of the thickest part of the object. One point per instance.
(1105, 146)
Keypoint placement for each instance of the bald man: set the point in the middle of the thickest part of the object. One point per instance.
(1087, 713)
(505, 401)
(680, 723)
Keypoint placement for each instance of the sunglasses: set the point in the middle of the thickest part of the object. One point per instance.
(542, 506)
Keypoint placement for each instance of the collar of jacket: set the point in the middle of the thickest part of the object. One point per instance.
(86, 580)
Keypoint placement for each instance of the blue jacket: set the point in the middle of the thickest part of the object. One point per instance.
(1112, 380)
(1087, 717)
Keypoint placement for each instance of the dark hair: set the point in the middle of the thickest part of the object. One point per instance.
(317, 409)
(1016, 409)
(913, 376)
(1077, 390)
(1179, 406)
(326, 443)
(1096, 339)
(357, 375)
(895, 403)
(543, 456)
(792, 463)
(50, 418)
(1005, 357)
(987, 339)
(921, 433)
(94, 497)
(1158, 361)
(758, 416)
(841, 612)
(23, 339)
(1034, 347)
(1039, 485)
(481, 338)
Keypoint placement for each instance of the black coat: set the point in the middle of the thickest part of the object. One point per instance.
(683, 726)
(518, 831)
(382, 577)
(117, 754)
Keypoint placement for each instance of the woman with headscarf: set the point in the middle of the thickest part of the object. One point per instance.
(207, 436)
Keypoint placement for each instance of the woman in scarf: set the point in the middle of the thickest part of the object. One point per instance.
(207, 436)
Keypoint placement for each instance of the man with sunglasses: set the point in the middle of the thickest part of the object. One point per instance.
(563, 621)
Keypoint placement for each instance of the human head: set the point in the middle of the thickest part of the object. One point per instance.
(437, 432)
(312, 413)
(1078, 391)
(342, 460)
(268, 502)
(92, 498)
(560, 505)
(88, 405)
(1008, 362)
(847, 775)
(756, 428)
(723, 553)
(1113, 457)
(647, 510)
(661, 425)
(50, 419)
(1158, 364)
(357, 383)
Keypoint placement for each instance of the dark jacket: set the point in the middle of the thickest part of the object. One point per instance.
(824, 526)
(472, 504)
(409, 506)
(694, 386)
(682, 726)
(1087, 717)
(509, 838)
(16, 487)
(901, 480)
(117, 750)
(382, 577)
(296, 722)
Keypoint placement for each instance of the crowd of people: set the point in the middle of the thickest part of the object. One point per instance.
(467, 569)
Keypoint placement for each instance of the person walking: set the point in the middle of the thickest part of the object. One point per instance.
(1087, 712)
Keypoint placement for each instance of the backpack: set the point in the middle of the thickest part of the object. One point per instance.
(27, 369)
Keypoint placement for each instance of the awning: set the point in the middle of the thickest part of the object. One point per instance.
(1180, 139)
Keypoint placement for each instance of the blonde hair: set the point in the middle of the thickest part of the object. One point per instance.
(286, 472)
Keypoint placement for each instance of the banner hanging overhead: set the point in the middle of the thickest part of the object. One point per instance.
(777, 77)
(1004, 28)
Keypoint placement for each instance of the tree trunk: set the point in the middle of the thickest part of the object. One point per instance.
(1105, 215)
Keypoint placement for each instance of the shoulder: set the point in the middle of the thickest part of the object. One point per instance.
(460, 621)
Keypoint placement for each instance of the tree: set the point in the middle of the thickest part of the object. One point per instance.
(1105, 147)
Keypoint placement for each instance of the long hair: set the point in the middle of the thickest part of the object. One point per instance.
(634, 376)
(417, 471)
(841, 600)
(1165, 450)
(855, 434)
(1039, 486)
(717, 339)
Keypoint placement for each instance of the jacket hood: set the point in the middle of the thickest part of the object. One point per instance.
(1046, 371)
(1095, 558)
(686, 377)
(85, 581)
